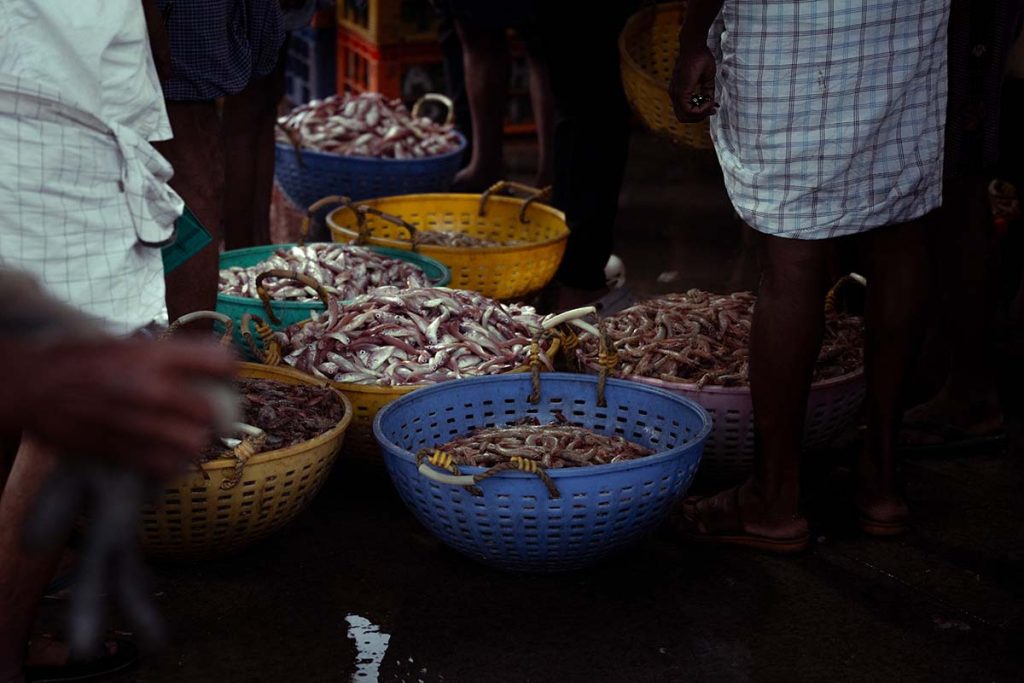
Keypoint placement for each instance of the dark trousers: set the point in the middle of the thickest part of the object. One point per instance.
(591, 130)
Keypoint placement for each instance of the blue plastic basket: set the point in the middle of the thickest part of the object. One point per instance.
(321, 174)
(514, 525)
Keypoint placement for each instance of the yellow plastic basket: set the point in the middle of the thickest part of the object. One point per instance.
(504, 273)
(648, 47)
(195, 517)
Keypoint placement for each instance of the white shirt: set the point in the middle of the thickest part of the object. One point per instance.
(84, 200)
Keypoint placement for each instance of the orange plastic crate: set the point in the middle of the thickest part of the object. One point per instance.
(389, 22)
(407, 71)
(410, 70)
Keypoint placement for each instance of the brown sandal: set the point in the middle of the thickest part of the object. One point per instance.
(722, 526)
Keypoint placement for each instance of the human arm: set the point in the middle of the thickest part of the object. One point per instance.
(694, 73)
(128, 401)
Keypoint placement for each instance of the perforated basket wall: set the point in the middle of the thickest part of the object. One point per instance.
(510, 272)
(648, 47)
(831, 408)
(515, 525)
(320, 174)
(193, 517)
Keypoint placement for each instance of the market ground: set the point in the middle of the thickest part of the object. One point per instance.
(314, 603)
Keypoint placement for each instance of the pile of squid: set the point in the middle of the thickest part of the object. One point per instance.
(702, 338)
(287, 413)
(365, 125)
(394, 337)
(555, 445)
(345, 271)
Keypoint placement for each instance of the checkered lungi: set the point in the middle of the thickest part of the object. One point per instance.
(832, 112)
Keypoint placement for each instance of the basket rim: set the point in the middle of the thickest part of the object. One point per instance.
(846, 378)
(318, 305)
(403, 389)
(440, 249)
(295, 449)
(330, 156)
(624, 53)
(392, 449)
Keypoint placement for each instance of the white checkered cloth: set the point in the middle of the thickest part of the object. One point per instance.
(84, 200)
(832, 112)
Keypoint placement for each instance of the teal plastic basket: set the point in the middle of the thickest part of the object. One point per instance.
(291, 312)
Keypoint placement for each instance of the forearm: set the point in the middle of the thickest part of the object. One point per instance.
(17, 397)
(697, 20)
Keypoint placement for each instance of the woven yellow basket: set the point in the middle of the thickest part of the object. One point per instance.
(648, 47)
(504, 273)
(194, 517)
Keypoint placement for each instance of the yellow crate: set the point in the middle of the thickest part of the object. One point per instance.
(648, 47)
(194, 517)
(504, 273)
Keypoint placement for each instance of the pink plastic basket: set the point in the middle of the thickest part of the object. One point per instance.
(831, 407)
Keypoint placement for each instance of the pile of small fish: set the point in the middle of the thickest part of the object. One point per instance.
(288, 413)
(393, 337)
(703, 338)
(554, 445)
(345, 271)
(366, 125)
(448, 238)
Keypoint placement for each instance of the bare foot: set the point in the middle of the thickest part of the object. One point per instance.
(892, 509)
(739, 516)
(471, 179)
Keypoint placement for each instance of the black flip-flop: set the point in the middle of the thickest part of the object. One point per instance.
(123, 659)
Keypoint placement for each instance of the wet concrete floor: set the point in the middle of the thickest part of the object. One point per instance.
(355, 589)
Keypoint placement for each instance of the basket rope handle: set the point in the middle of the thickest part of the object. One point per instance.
(329, 200)
(390, 218)
(608, 360)
(269, 351)
(301, 278)
(429, 459)
(830, 298)
(227, 322)
(250, 446)
(531, 194)
(440, 99)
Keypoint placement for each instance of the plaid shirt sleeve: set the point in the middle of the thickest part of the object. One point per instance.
(218, 46)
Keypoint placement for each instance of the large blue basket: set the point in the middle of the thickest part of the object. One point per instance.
(514, 525)
(321, 174)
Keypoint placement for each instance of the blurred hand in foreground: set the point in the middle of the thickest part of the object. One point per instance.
(692, 87)
(136, 403)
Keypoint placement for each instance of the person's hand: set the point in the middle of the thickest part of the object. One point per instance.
(692, 88)
(137, 403)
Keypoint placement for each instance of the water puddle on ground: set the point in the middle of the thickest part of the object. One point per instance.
(371, 646)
